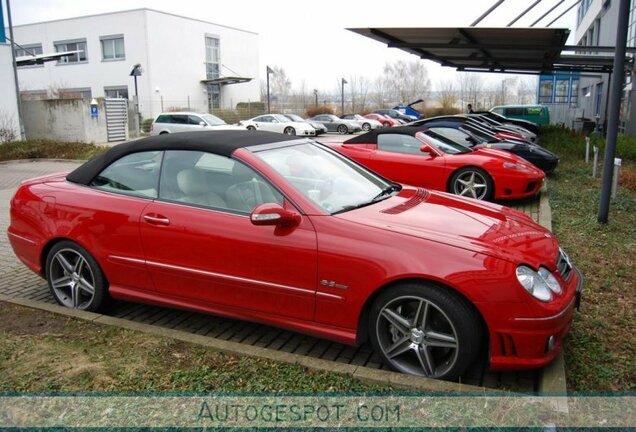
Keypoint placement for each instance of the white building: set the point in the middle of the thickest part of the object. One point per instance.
(9, 126)
(186, 63)
(596, 26)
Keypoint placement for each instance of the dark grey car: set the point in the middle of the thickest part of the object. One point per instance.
(336, 124)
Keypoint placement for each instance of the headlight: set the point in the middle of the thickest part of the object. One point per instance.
(515, 166)
(539, 284)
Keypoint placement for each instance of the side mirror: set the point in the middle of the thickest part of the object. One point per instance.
(274, 214)
(428, 149)
(202, 123)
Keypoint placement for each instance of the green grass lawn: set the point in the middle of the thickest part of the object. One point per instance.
(600, 352)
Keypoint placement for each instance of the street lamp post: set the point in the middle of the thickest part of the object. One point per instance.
(316, 96)
(343, 82)
(135, 72)
(269, 71)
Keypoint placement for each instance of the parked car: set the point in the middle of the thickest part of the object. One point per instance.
(475, 135)
(423, 158)
(171, 122)
(278, 123)
(539, 114)
(366, 124)
(386, 121)
(336, 124)
(395, 114)
(510, 130)
(285, 231)
(532, 127)
(319, 127)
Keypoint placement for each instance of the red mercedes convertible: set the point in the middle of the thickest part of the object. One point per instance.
(421, 157)
(285, 231)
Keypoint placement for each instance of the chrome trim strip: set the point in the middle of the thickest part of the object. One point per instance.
(565, 309)
(329, 295)
(229, 277)
(121, 258)
(24, 239)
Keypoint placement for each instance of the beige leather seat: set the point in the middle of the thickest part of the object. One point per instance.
(192, 183)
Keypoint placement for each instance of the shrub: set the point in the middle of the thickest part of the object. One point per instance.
(314, 111)
(42, 148)
(564, 140)
(434, 112)
(145, 125)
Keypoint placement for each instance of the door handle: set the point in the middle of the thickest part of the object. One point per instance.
(156, 219)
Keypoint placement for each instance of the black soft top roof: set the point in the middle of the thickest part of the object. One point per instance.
(222, 142)
(371, 137)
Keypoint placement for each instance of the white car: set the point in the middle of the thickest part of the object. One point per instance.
(278, 123)
(172, 122)
(365, 123)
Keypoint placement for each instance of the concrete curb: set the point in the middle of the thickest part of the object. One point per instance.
(397, 380)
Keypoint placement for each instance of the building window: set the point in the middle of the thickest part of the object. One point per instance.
(75, 93)
(562, 89)
(116, 92)
(212, 58)
(28, 51)
(81, 56)
(113, 47)
(545, 91)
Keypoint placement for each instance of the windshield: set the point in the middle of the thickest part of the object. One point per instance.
(295, 117)
(212, 120)
(445, 144)
(327, 178)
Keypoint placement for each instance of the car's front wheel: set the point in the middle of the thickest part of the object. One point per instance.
(74, 277)
(289, 131)
(472, 183)
(424, 329)
(343, 129)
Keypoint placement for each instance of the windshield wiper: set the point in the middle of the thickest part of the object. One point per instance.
(386, 192)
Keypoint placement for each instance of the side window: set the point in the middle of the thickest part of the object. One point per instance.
(163, 119)
(397, 143)
(515, 111)
(259, 119)
(209, 180)
(498, 111)
(194, 120)
(179, 119)
(136, 174)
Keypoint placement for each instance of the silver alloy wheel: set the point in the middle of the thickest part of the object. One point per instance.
(72, 279)
(417, 337)
(289, 131)
(342, 129)
(366, 127)
(471, 184)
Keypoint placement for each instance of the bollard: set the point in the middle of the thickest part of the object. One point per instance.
(595, 161)
(587, 149)
(617, 169)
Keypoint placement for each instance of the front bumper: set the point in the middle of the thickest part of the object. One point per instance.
(531, 342)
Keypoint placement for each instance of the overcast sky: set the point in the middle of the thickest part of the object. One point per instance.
(309, 38)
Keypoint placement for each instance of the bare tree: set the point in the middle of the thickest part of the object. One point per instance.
(380, 93)
(280, 85)
(406, 81)
(447, 94)
(471, 87)
(527, 90)
(7, 127)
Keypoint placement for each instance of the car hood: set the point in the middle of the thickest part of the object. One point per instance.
(474, 225)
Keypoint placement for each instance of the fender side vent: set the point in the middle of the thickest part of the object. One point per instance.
(420, 196)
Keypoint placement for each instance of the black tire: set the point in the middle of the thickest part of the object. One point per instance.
(472, 182)
(342, 129)
(412, 348)
(289, 131)
(164, 133)
(251, 128)
(386, 125)
(366, 127)
(70, 272)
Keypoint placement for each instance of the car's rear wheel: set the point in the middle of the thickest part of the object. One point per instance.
(366, 127)
(343, 129)
(163, 133)
(424, 329)
(473, 183)
(386, 124)
(74, 277)
(251, 128)
(289, 131)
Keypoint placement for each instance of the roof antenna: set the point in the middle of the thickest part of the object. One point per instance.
(485, 14)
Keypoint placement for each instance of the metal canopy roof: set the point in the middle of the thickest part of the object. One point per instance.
(226, 80)
(480, 49)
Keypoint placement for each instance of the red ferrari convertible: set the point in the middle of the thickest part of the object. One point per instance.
(285, 231)
(423, 158)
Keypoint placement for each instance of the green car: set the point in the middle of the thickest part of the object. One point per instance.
(539, 114)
